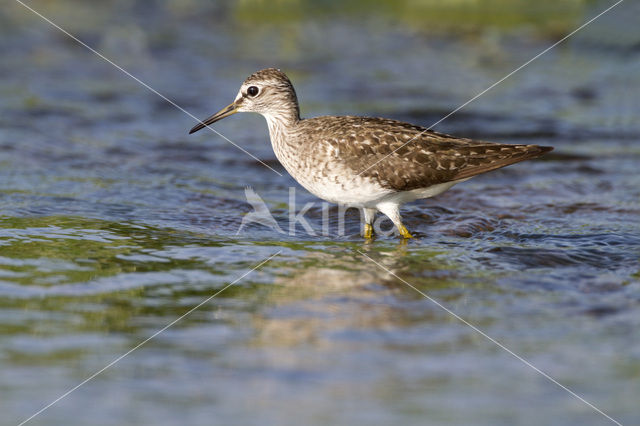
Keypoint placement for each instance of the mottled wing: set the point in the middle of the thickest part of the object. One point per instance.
(490, 156)
(403, 157)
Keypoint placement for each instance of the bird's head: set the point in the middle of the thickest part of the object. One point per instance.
(268, 92)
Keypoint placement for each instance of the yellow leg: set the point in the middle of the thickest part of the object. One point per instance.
(391, 209)
(368, 231)
(404, 231)
(368, 215)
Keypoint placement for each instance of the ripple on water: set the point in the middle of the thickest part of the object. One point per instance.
(550, 258)
(119, 282)
(75, 257)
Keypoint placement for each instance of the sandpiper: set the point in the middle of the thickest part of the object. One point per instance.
(375, 164)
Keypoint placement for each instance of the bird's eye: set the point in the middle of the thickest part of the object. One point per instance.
(253, 91)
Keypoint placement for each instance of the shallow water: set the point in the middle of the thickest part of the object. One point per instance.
(114, 222)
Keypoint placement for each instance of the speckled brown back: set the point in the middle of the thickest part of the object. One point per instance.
(402, 156)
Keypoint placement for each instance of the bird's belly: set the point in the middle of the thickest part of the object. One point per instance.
(358, 191)
(347, 190)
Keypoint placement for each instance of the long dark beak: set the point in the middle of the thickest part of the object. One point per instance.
(225, 112)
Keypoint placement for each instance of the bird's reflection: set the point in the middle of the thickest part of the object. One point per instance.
(344, 291)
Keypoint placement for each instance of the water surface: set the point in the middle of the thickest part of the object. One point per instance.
(114, 222)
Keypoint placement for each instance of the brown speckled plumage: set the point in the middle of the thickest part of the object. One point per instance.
(376, 164)
(377, 148)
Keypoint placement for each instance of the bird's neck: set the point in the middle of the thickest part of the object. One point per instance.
(281, 125)
(283, 130)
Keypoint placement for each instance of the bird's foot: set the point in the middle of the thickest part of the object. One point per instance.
(368, 231)
(404, 232)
